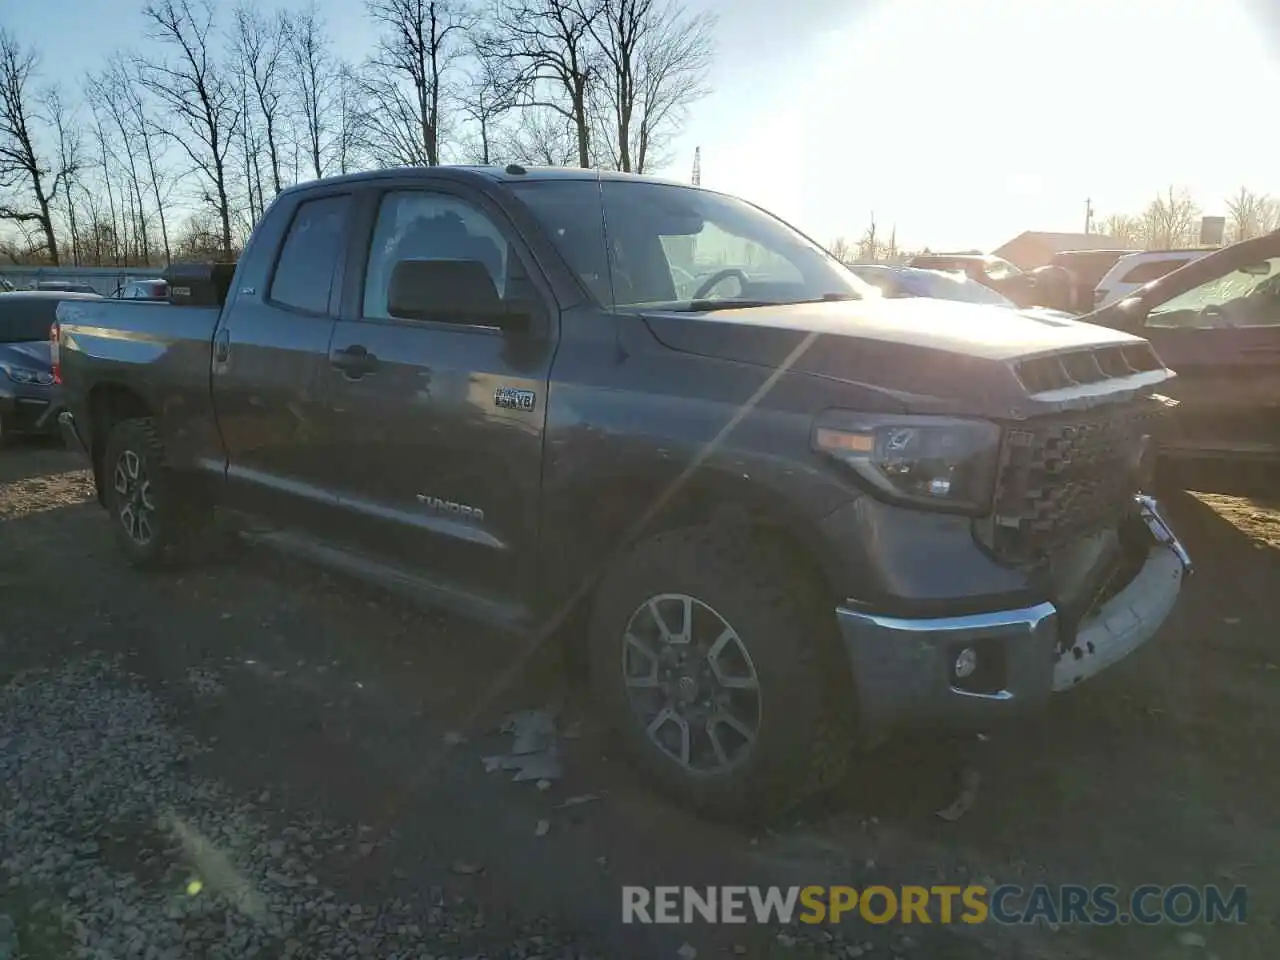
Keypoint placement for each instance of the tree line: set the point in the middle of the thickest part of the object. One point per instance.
(1172, 220)
(173, 150)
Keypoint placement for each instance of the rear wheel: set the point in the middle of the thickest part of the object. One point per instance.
(156, 521)
(715, 660)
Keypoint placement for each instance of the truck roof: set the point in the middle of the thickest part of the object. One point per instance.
(511, 173)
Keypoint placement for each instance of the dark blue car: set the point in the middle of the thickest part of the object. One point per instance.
(28, 396)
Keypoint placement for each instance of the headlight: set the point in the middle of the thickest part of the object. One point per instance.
(26, 374)
(941, 463)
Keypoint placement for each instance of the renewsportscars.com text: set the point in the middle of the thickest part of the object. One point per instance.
(940, 903)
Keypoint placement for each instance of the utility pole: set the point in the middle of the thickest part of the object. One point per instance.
(1088, 215)
(697, 166)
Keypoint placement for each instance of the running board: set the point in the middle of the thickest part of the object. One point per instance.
(507, 616)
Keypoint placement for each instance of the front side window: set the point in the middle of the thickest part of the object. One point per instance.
(417, 225)
(638, 244)
(1245, 297)
(309, 257)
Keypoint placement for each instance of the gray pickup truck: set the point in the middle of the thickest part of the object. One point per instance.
(781, 513)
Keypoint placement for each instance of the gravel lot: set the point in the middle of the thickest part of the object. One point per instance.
(251, 758)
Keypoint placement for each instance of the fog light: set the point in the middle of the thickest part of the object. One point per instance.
(966, 663)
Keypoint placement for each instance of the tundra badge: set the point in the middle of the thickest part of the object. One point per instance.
(441, 505)
(512, 399)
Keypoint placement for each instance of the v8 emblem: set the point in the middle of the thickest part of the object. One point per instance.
(510, 398)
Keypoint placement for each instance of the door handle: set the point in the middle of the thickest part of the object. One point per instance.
(222, 346)
(354, 361)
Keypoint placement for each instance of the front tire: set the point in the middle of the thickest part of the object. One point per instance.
(155, 521)
(715, 658)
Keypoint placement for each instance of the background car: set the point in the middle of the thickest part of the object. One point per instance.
(66, 286)
(1216, 321)
(151, 289)
(1136, 270)
(28, 396)
(991, 271)
(895, 281)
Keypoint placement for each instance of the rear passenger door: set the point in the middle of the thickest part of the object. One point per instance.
(438, 426)
(271, 362)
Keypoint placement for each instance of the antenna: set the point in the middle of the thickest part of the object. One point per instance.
(697, 166)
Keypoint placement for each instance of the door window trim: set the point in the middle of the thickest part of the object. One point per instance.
(365, 223)
(339, 266)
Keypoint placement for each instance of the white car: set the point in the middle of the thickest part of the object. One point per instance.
(1137, 270)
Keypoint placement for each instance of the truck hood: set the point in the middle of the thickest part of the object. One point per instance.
(933, 356)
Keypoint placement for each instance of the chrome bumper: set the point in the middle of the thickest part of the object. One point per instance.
(904, 669)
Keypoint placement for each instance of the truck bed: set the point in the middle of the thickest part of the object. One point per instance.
(164, 349)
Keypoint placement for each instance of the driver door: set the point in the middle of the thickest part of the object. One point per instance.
(1219, 329)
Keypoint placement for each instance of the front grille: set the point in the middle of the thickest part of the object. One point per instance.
(1065, 475)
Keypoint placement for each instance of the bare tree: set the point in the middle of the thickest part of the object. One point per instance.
(260, 43)
(869, 247)
(841, 249)
(542, 137)
(1249, 214)
(246, 135)
(348, 117)
(490, 93)
(1128, 231)
(551, 44)
(314, 79)
(105, 233)
(421, 43)
(143, 129)
(656, 61)
(1169, 220)
(29, 178)
(109, 92)
(69, 162)
(203, 105)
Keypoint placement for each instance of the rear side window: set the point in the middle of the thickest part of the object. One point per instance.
(309, 257)
(1151, 270)
(25, 321)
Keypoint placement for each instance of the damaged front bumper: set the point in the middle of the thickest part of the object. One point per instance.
(974, 670)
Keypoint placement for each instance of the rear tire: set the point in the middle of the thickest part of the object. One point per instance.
(747, 605)
(155, 520)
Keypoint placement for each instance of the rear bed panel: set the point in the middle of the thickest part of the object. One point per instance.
(159, 352)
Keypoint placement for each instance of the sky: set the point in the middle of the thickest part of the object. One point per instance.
(959, 123)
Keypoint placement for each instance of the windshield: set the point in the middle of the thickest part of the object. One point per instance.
(1245, 297)
(638, 244)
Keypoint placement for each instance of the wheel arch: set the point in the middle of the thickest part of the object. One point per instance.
(602, 519)
(106, 405)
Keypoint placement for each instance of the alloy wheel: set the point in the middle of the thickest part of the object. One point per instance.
(691, 683)
(135, 507)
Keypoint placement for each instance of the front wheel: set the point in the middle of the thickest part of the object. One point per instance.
(155, 520)
(715, 659)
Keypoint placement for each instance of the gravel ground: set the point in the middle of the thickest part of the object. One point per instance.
(251, 758)
(91, 765)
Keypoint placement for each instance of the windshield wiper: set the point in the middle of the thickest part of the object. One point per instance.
(708, 306)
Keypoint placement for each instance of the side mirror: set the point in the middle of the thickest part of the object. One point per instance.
(453, 291)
